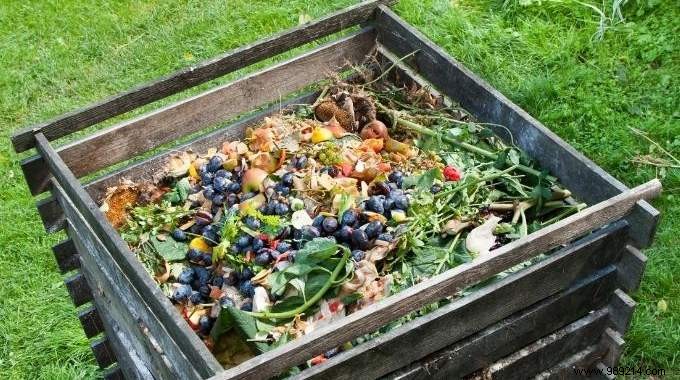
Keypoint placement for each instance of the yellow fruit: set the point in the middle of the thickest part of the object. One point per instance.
(200, 245)
(320, 134)
(193, 173)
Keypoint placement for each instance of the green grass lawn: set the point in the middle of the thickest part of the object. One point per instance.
(547, 56)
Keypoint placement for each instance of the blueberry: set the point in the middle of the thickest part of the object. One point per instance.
(218, 200)
(186, 276)
(349, 218)
(207, 178)
(179, 235)
(208, 192)
(227, 302)
(246, 274)
(220, 184)
(344, 234)
(202, 276)
(393, 186)
(247, 306)
(247, 289)
(223, 173)
(252, 222)
(206, 259)
(373, 229)
(318, 221)
(375, 204)
(434, 189)
(330, 170)
(263, 257)
(358, 255)
(181, 293)
(214, 164)
(385, 236)
(196, 297)
(309, 233)
(234, 187)
(330, 224)
(283, 246)
(401, 202)
(232, 199)
(257, 244)
(282, 189)
(360, 239)
(397, 177)
(193, 255)
(244, 241)
(388, 203)
(211, 235)
(287, 179)
(218, 281)
(301, 162)
(282, 209)
(204, 290)
(204, 324)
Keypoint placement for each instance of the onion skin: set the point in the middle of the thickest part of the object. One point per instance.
(375, 129)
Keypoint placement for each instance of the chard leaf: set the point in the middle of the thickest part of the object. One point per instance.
(316, 251)
(169, 249)
(287, 304)
(232, 318)
(315, 281)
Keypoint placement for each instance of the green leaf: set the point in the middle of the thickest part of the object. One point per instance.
(315, 281)
(424, 180)
(316, 251)
(170, 249)
(180, 192)
(352, 298)
(233, 318)
(287, 304)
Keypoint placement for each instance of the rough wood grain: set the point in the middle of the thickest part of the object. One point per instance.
(113, 373)
(621, 310)
(103, 353)
(160, 306)
(66, 256)
(195, 75)
(511, 334)
(613, 343)
(468, 315)
(78, 289)
(131, 138)
(546, 352)
(578, 173)
(631, 268)
(123, 304)
(51, 215)
(443, 285)
(565, 370)
(90, 321)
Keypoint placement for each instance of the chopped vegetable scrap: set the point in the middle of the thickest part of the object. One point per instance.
(323, 210)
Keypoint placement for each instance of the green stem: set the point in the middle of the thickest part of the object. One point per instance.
(314, 299)
(469, 147)
(480, 180)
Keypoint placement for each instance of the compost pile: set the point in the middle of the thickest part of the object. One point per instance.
(325, 209)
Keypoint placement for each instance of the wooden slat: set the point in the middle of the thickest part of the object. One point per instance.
(472, 313)
(113, 373)
(103, 353)
(613, 343)
(50, 214)
(125, 308)
(66, 256)
(515, 332)
(136, 136)
(441, 286)
(78, 289)
(578, 173)
(90, 321)
(621, 310)
(195, 75)
(546, 352)
(160, 306)
(565, 370)
(631, 268)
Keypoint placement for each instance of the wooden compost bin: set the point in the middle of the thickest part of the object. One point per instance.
(570, 309)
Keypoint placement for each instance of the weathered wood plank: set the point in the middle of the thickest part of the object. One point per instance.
(90, 321)
(631, 268)
(131, 138)
(114, 293)
(113, 373)
(160, 306)
(195, 75)
(470, 314)
(50, 214)
(567, 369)
(613, 343)
(103, 353)
(578, 173)
(441, 286)
(78, 289)
(548, 351)
(66, 256)
(621, 310)
(511, 334)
